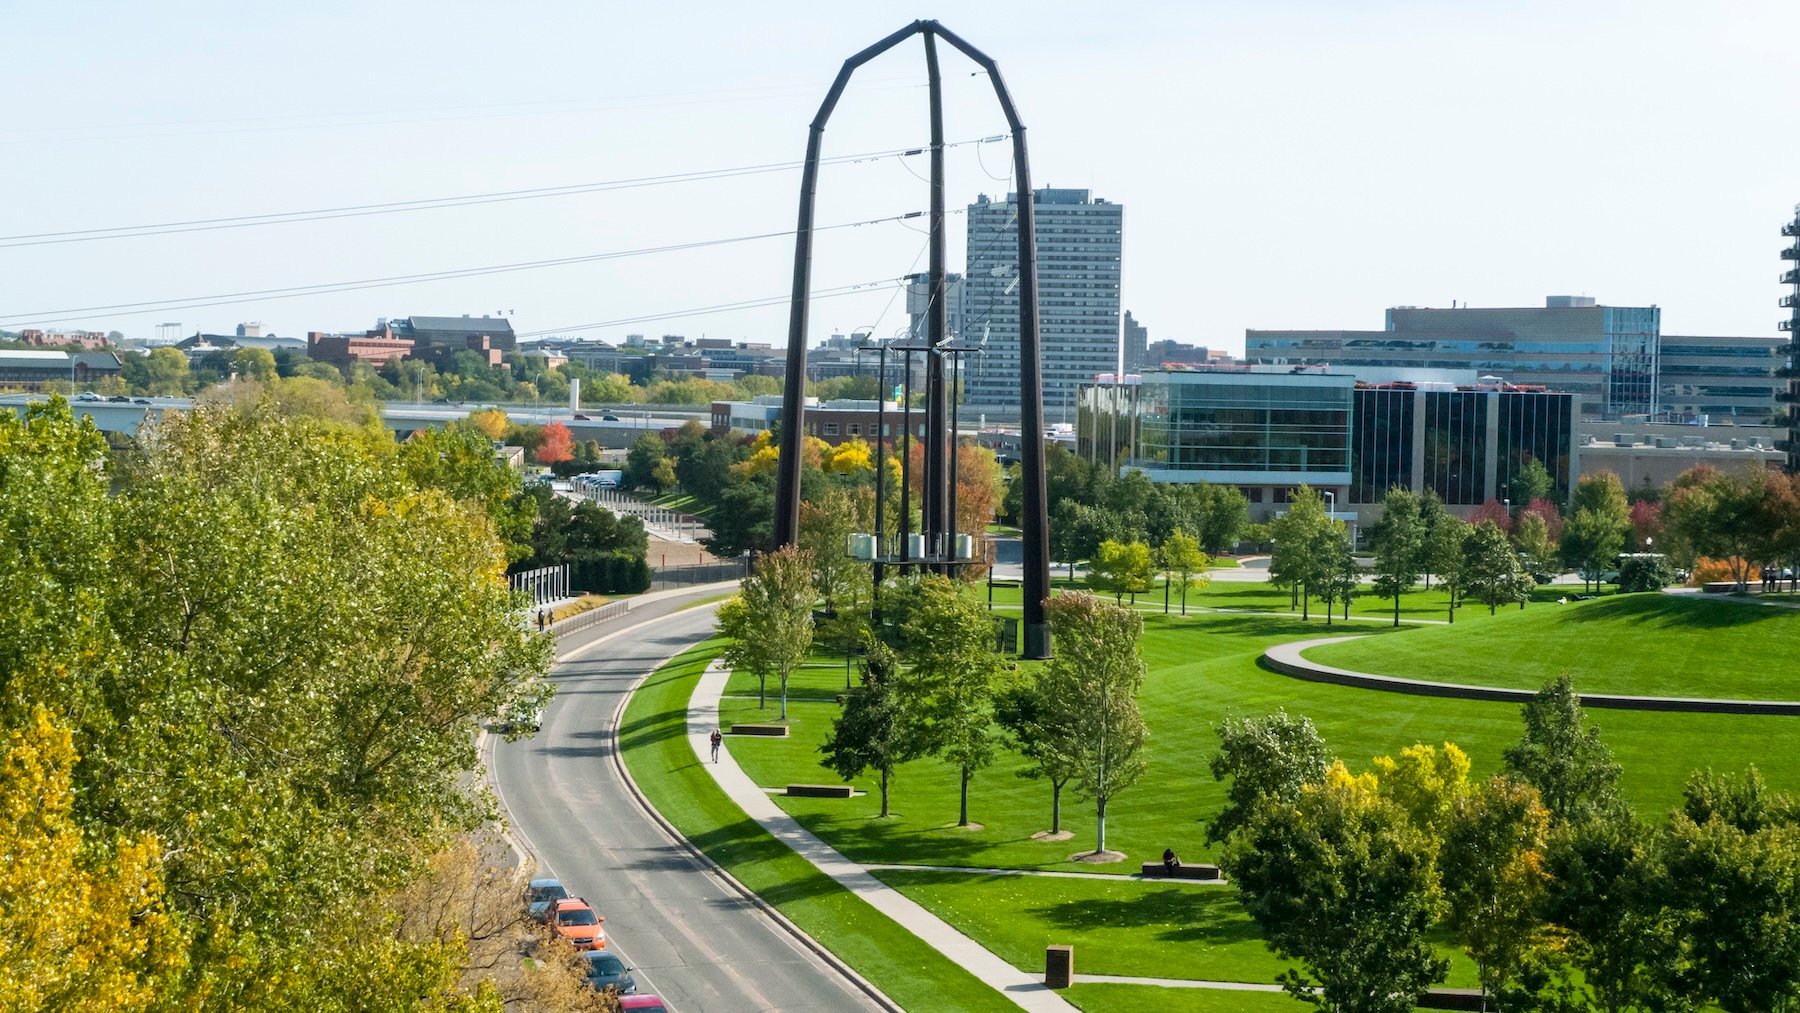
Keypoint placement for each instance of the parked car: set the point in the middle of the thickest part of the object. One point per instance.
(646, 1003)
(574, 920)
(540, 894)
(604, 970)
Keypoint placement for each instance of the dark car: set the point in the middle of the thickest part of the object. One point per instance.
(609, 418)
(540, 894)
(605, 970)
(140, 400)
(119, 399)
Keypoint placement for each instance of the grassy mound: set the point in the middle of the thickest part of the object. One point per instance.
(1641, 644)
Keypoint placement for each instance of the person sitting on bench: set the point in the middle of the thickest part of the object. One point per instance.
(1170, 862)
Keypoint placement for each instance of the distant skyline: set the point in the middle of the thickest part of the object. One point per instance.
(1293, 165)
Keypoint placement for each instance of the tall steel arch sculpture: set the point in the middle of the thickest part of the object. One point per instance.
(1035, 519)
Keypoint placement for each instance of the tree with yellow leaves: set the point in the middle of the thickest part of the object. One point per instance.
(492, 422)
(82, 925)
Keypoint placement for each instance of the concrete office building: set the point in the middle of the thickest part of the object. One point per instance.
(1269, 430)
(1721, 377)
(1607, 355)
(1079, 243)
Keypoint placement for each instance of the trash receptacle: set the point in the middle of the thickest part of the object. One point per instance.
(1059, 966)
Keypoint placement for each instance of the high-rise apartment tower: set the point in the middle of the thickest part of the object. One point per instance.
(1079, 242)
(1791, 278)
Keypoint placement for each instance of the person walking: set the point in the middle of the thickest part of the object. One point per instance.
(716, 740)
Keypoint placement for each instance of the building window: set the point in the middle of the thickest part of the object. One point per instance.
(831, 429)
(855, 429)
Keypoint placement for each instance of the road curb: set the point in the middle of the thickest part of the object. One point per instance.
(800, 935)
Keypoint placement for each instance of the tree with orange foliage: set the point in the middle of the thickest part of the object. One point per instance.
(558, 445)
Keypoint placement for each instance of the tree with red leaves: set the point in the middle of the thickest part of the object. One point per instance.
(558, 445)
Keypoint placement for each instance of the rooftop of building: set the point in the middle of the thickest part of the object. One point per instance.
(482, 324)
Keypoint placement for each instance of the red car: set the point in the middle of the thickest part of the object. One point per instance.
(646, 1003)
(574, 920)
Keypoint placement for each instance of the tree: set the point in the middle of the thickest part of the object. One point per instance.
(1537, 549)
(1724, 516)
(492, 423)
(1038, 727)
(1340, 578)
(82, 924)
(282, 657)
(1493, 870)
(1181, 561)
(1399, 541)
(1598, 527)
(1097, 674)
(1445, 555)
(1305, 540)
(1122, 568)
(558, 445)
(825, 530)
(1733, 892)
(1532, 481)
(1340, 880)
(1077, 531)
(770, 620)
(609, 389)
(953, 679)
(1572, 770)
(641, 461)
(1268, 759)
(254, 363)
(873, 732)
(1491, 571)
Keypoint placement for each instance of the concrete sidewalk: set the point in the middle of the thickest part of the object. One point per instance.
(1027, 991)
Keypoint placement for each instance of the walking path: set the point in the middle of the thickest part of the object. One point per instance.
(1026, 990)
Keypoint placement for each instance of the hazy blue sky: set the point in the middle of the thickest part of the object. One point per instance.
(1282, 164)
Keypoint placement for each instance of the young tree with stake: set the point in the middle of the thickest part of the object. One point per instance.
(770, 620)
(952, 681)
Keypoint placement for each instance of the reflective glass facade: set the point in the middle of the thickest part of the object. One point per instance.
(1456, 446)
(1535, 427)
(1382, 454)
(1230, 427)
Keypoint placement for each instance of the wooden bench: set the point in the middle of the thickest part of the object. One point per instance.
(1452, 998)
(776, 730)
(1155, 870)
(821, 790)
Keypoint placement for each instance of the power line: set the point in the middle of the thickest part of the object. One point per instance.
(428, 204)
(774, 300)
(324, 288)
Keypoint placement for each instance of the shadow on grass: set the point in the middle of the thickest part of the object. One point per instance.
(1185, 916)
(871, 838)
(745, 841)
(1668, 610)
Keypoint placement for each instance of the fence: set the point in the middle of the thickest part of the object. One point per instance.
(683, 575)
(592, 617)
(546, 583)
(664, 523)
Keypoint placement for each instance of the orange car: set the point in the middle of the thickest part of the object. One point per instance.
(574, 920)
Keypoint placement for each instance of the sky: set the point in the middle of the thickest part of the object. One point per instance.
(1282, 164)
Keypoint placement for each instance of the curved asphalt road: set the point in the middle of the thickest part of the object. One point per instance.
(689, 936)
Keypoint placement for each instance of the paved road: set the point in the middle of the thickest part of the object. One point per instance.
(691, 938)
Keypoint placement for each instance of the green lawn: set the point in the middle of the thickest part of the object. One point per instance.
(1644, 644)
(1202, 668)
(1130, 928)
(652, 739)
(1137, 998)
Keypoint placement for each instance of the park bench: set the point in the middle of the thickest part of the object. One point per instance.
(821, 790)
(1452, 998)
(1155, 870)
(776, 730)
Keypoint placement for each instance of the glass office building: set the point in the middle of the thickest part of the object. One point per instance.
(1269, 431)
(1607, 355)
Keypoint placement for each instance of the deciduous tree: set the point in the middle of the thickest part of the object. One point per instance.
(1491, 570)
(1182, 561)
(1399, 540)
(874, 731)
(1340, 880)
(1122, 568)
(770, 620)
(1572, 770)
(557, 446)
(1096, 674)
(953, 679)
(1266, 758)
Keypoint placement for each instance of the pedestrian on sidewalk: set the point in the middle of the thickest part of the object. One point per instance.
(716, 740)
